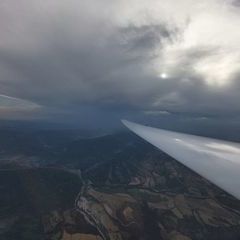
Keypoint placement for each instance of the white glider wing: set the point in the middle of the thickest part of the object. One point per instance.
(216, 160)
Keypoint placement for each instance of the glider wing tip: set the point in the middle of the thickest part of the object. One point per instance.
(125, 122)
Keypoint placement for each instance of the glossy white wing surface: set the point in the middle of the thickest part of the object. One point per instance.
(216, 160)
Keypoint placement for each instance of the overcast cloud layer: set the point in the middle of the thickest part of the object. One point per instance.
(148, 56)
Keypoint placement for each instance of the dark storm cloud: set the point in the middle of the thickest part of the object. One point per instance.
(110, 56)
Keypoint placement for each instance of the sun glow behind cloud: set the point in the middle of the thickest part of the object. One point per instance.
(208, 43)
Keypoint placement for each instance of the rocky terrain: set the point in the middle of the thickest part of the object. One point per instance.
(114, 187)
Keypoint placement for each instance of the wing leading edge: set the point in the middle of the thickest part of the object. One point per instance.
(216, 160)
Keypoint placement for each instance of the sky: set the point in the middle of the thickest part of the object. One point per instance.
(94, 62)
